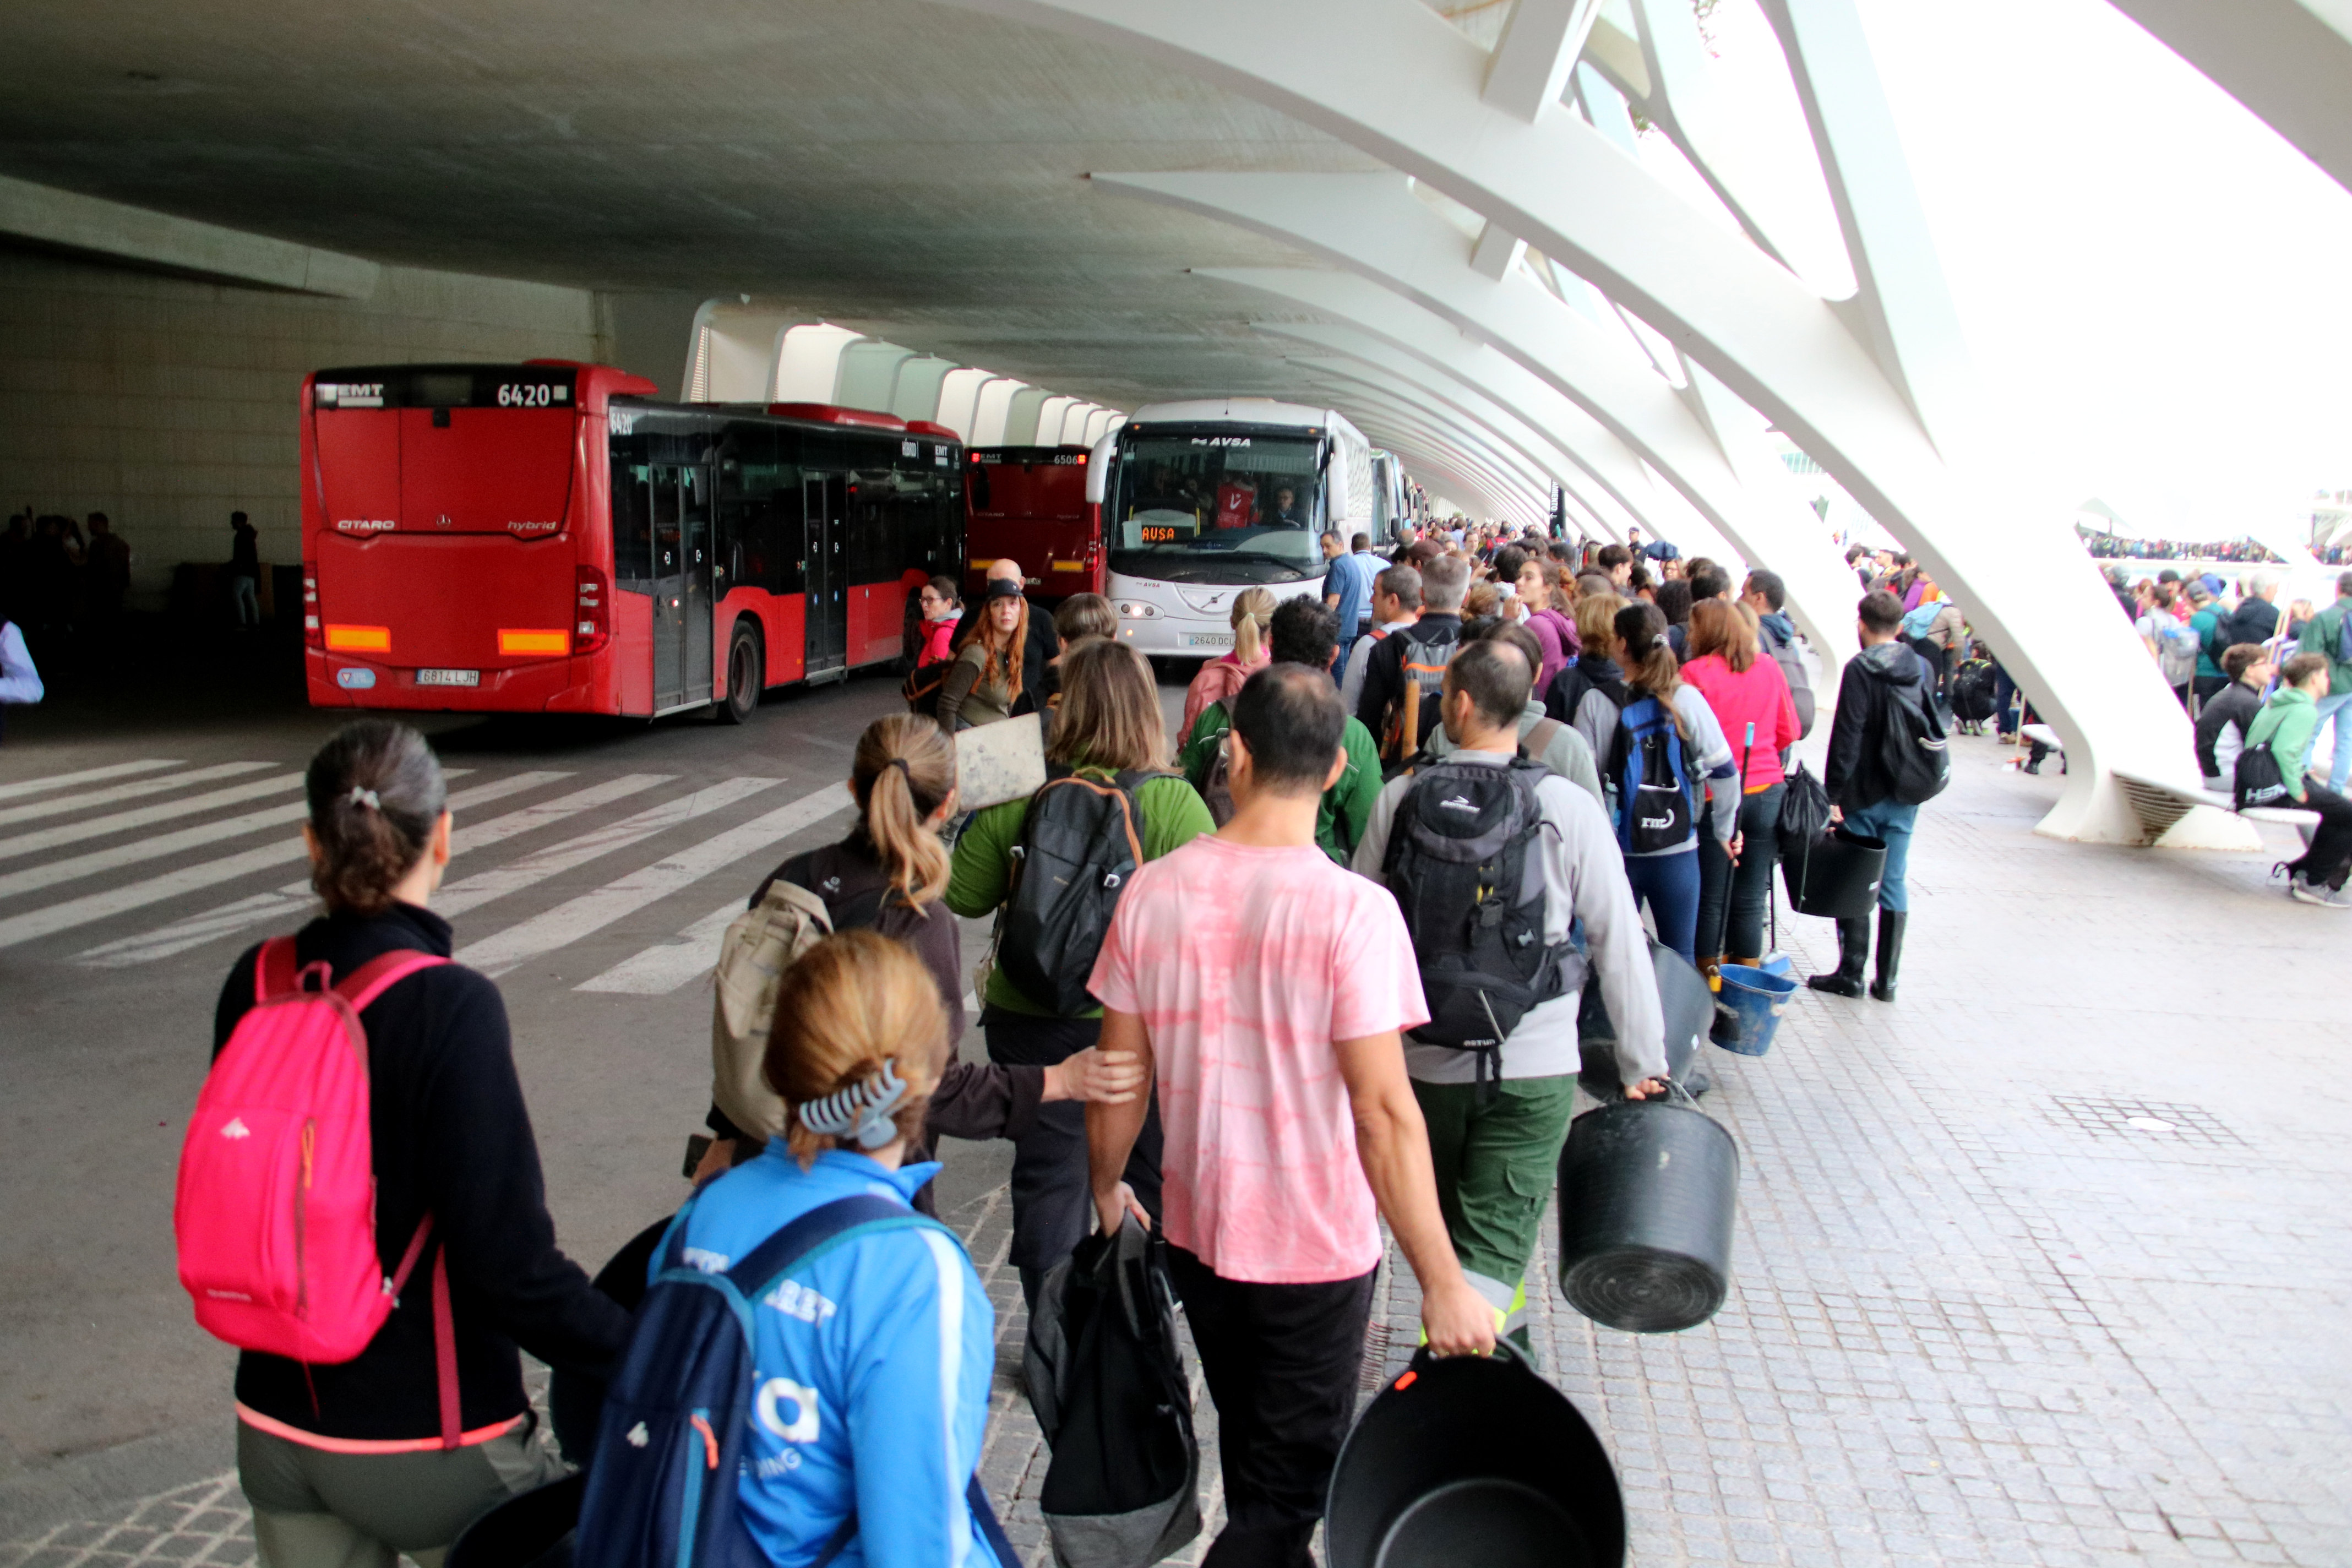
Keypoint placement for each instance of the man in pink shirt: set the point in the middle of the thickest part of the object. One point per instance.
(1268, 990)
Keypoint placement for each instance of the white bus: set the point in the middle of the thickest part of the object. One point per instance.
(1203, 499)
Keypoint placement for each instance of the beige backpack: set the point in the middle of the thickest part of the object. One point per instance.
(761, 943)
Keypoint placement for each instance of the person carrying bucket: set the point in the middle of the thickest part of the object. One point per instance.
(1497, 1096)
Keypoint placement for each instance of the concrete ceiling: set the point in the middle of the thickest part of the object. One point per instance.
(913, 171)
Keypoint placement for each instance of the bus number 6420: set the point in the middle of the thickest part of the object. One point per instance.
(513, 394)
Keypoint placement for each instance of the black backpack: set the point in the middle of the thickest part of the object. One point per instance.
(1081, 842)
(1656, 802)
(1911, 746)
(1458, 862)
(2259, 779)
(1106, 1376)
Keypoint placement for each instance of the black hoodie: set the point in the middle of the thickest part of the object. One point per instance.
(1856, 777)
(450, 1135)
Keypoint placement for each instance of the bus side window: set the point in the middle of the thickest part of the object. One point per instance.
(632, 533)
(873, 544)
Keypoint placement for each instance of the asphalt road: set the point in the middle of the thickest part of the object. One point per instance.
(595, 847)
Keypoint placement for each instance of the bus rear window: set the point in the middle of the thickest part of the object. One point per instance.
(446, 386)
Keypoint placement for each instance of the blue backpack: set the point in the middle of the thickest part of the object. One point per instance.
(1655, 810)
(662, 1487)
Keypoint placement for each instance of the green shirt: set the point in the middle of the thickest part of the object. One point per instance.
(2284, 725)
(2320, 636)
(1346, 805)
(981, 873)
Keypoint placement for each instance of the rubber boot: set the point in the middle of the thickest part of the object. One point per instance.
(1890, 951)
(1854, 952)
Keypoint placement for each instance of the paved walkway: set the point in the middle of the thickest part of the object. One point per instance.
(2045, 1264)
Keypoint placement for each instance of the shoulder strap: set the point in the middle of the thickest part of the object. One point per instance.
(275, 973)
(370, 980)
(1538, 739)
(806, 1234)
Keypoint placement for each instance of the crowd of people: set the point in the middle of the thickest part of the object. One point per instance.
(1331, 954)
(2115, 547)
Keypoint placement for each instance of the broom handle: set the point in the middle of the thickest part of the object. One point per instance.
(1731, 870)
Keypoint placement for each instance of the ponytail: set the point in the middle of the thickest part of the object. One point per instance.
(375, 792)
(1651, 666)
(1253, 622)
(904, 770)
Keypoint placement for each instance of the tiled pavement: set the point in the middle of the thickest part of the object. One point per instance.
(2045, 1265)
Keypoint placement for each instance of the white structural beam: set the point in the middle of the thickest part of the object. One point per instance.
(2290, 61)
(101, 228)
(1394, 331)
(869, 374)
(1615, 474)
(1395, 245)
(1504, 481)
(808, 364)
(735, 347)
(1478, 418)
(1538, 50)
(1394, 79)
(916, 394)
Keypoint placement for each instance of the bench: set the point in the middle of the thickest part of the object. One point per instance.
(2160, 803)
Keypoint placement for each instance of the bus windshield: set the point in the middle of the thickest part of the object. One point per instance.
(1217, 508)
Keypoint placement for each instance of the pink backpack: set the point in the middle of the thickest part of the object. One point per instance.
(275, 1209)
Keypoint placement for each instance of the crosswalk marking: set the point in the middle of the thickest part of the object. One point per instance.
(145, 816)
(569, 922)
(119, 792)
(293, 902)
(666, 965)
(24, 787)
(46, 922)
(73, 868)
(456, 898)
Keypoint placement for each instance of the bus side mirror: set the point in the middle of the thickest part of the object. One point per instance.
(1335, 494)
(1098, 470)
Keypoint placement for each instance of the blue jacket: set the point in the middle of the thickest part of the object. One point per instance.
(885, 1348)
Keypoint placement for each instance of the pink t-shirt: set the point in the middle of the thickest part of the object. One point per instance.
(1245, 964)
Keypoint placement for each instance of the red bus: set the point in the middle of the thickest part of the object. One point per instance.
(546, 538)
(1030, 503)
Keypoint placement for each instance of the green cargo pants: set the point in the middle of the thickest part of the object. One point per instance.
(1495, 1166)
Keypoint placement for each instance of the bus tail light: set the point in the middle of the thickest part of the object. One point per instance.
(533, 640)
(592, 620)
(313, 636)
(358, 640)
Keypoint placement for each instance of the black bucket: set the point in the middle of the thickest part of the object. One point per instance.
(1688, 1007)
(1648, 1191)
(575, 1401)
(1471, 1459)
(1835, 875)
(531, 1530)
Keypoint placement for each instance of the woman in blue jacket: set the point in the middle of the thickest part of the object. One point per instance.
(874, 1361)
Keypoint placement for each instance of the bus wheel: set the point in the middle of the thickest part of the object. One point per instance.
(746, 675)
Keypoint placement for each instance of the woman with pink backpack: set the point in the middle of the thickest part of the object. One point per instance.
(360, 1204)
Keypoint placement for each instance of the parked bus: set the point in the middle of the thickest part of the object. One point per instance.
(1206, 498)
(1029, 503)
(1392, 504)
(547, 538)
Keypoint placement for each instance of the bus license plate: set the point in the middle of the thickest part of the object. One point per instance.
(1208, 640)
(461, 677)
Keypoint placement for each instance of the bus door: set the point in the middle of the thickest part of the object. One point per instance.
(828, 498)
(681, 497)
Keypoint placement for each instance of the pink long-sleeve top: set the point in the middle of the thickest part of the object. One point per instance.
(1758, 695)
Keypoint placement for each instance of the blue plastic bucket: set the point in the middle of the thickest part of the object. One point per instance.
(1752, 999)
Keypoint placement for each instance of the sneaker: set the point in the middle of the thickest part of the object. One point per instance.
(2314, 894)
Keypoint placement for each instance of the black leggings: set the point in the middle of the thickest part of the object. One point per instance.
(2329, 858)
